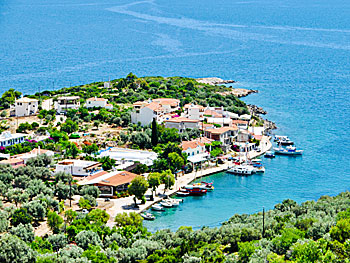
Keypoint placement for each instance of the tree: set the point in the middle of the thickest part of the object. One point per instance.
(62, 191)
(70, 215)
(168, 179)
(154, 180)
(69, 126)
(72, 150)
(36, 187)
(64, 177)
(24, 232)
(36, 209)
(89, 149)
(54, 221)
(9, 97)
(86, 238)
(107, 163)
(138, 187)
(216, 152)
(128, 219)
(21, 216)
(14, 250)
(17, 196)
(42, 160)
(84, 203)
(4, 222)
(90, 190)
(58, 241)
(341, 232)
(97, 216)
(176, 161)
(154, 132)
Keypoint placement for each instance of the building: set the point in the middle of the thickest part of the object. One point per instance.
(224, 122)
(193, 112)
(25, 107)
(241, 124)
(123, 155)
(33, 153)
(145, 111)
(98, 103)
(109, 183)
(192, 148)
(8, 139)
(244, 136)
(225, 135)
(78, 167)
(64, 103)
(182, 123)
(14, 162)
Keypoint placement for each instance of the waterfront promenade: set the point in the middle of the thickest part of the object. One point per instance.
(127, 204)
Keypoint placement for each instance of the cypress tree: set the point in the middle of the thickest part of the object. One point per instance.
(154, 132)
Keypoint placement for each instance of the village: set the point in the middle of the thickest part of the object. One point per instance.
(177, 141)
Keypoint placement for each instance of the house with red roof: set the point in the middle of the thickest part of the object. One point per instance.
(182, 123)
(145, 111)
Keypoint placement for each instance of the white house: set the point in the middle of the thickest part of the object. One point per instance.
(194, 112)
(225, 135)
(145, 111)
(78, 167)
(8, 139)
(182, 123)
(241, 124)
(192, 148)
(26, 107)
(64, 103)
(98, 103)
(130, 155)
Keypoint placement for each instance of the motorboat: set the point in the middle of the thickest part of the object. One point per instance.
(269, 154)
(166, 204)
(290, 150)
(148, 216)
(195, 189)
(174, 202)
(242, 170)
(157, 207)
(257, 165)
(208, 186)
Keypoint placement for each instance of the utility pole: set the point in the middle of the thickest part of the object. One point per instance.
(70, 193)
(263, 232)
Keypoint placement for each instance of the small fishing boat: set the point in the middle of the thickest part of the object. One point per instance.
(290, 150)
(241, 170)
(182, 193)
(269, 154)
(166, 204)
(285, 142)
(280, 137)
(157, 207)
(148, 216)
(195, 189)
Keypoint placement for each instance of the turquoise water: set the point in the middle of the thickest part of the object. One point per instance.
(296, 53)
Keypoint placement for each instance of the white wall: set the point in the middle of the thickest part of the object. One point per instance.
(144, 116)
(26, 108)
(94, 103)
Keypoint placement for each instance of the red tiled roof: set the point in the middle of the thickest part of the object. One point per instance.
(123, 177)
(96, 99)
(222, 130)
(191, 145)
(239, 122)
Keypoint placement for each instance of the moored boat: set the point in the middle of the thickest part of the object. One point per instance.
(182, 193)
(241, 170)
(157, 207)
(195, 189)
(290, 150)
(148, 216)
(166, 204)
(269, 154)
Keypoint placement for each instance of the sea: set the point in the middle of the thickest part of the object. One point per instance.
(295, 53)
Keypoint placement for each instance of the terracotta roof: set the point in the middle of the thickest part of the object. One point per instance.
(181, 119)
(239, 122)
(191, 145)
(204, 140)
(96, 99)
(167, 101)
(212, 113)
(154, 106)
(222, 130)
(112, 179)
(109, 105)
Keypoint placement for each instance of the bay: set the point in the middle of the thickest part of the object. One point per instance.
(296, 53)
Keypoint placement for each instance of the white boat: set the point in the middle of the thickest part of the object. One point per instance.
(290, 150)
(148, 216)
(242, 170)
(157, 207)
(166, 204)
(174, 202)
(281, 137)
(181, 193)
(269, 154)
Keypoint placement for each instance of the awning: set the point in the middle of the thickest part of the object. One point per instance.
(198, 158)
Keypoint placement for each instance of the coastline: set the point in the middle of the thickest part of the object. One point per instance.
(126, 204)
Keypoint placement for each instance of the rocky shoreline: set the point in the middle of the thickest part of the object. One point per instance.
(214, 81)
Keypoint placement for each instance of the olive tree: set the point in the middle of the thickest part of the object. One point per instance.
(14, 250)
